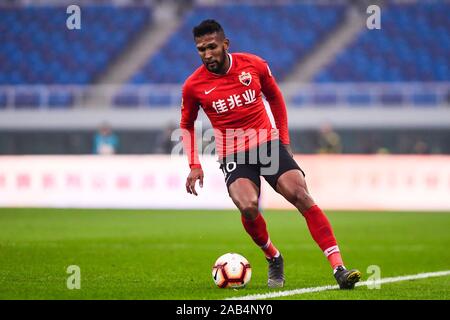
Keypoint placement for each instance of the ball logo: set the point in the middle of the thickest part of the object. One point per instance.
(245, 78)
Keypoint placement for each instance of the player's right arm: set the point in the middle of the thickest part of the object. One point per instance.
(189, 113)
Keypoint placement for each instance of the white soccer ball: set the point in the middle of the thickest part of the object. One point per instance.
(231, 270)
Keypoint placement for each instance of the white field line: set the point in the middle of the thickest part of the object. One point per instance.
(333, 287)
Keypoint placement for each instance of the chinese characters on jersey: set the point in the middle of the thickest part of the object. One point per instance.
(234, 100)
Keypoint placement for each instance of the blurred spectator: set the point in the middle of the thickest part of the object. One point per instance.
(105, 141)
(383, 150)
(329, 140)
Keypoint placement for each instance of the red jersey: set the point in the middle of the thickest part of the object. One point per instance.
(233, 103)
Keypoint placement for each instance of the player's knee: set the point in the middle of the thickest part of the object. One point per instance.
(248, 207)
(301, 199)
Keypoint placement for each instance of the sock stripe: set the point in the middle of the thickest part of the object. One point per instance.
(267, 244)
(331, 250)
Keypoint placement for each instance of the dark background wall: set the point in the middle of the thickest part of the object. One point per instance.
(397, 141)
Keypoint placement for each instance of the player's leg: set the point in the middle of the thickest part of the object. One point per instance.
(243, 183)
(292, 186)
(245, 193)
(290, 182)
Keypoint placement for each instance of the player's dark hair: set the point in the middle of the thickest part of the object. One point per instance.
(207, 27)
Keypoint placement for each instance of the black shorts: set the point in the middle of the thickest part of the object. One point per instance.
(269, 160)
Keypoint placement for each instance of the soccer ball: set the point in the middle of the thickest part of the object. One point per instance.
(231, 270)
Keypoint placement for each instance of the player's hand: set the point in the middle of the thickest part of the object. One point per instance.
(289, 149)
(194, 175)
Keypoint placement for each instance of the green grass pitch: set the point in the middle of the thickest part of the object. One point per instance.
(157, 254)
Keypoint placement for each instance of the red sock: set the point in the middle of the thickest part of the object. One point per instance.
(257, 230)
(335, 259)
(322, 233)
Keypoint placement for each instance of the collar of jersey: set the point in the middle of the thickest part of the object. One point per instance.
(229, 68)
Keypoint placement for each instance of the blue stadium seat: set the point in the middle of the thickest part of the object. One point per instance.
(282, 35)
(60, 99)
(159, 100)
(27, 99)
(3, 100)
(358, 99)
(425, 99)
(126, 99)
(413, 45)
(37, 48)
(324, 99)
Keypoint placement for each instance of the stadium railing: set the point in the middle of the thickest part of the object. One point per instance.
(407, 95)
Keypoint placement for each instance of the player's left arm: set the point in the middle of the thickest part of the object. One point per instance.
(272, 92)
(189, 113)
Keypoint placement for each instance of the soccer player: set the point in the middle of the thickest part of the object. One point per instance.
(229, 87)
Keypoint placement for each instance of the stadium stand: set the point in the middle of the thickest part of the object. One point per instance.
(280, 34)
(34, 42)
(36, 49)
(412, 48)
(413, 45)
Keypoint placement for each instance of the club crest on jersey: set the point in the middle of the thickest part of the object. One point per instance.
(245, 78)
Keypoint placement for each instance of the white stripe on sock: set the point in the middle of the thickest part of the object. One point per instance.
(267, 244)
(264, 247)
(331, 250)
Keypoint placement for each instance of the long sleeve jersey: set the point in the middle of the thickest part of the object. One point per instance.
(233, 103)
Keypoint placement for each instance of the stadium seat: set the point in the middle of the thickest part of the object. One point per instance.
(280, 34)
(126, 99)
(413, 45)
(37, 48)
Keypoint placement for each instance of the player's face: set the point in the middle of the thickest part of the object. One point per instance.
(212, 49)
